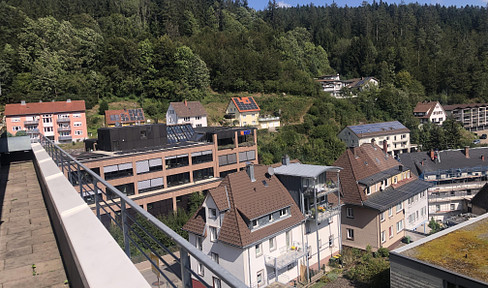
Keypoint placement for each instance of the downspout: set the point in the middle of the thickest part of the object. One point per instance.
(316, 223)
(249, 264)
(303, 237)
(340, 212)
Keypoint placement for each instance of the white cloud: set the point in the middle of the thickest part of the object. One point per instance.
(286, 5)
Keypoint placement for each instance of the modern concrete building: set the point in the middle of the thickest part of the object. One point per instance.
(185, 112)
(61, 121)
(454, 257)
(473, 117)
(158, 166)
(250, 225)
(380, 195)
(393, 134)
(430, 112)
(244, 110)
(456, 175)
(124, 117)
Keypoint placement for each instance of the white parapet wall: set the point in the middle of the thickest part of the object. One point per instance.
(91, 256)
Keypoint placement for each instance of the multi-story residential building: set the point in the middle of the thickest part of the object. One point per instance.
(430, 112)
(269, 122)
(61, 121)
(454, 257)
(393, 134)
(185, 112)
(472, 116)
(316, 191)
(124, 117)
(250, 225)
(160, 165)
(382, 198)
(456, 175)
(336, 87)
(244, 110)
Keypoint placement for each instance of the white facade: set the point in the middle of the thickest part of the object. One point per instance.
(397, 143)
(195, 121)
(416, 211)
(438, 116)
(270, 123)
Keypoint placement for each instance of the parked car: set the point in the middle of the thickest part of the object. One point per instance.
(483, 136)
(477, 141)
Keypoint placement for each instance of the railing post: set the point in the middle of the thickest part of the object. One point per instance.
(97, 201)
(62, 161)
(125, 227)
(185, 268)
(78, 172)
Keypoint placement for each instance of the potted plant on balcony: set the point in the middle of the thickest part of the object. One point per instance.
(321, 209)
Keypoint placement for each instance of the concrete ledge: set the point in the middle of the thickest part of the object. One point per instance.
(91, 256)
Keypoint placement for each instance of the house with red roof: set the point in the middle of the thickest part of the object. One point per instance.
(430, 112)
(243, 110)
(60, 121)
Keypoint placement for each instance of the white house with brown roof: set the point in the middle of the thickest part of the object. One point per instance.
(251, 225)
(336, 87)
(187, 112)
(396, 135)
(430, 112)
(244, 110)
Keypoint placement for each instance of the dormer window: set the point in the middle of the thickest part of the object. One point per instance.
(255, 223)
(270, 217)
(212, 213)
(283, 212)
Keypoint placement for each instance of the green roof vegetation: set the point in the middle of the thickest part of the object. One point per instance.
(464, 251)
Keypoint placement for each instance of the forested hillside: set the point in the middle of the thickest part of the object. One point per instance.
(155, 51)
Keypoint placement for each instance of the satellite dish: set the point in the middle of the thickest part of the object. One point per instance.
(117, 124)
(271, 171)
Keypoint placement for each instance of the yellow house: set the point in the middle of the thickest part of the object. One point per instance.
(244, 110)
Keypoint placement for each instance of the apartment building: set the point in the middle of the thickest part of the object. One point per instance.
(124, 117)
(472, 116)
(159, 166)
(381, 198)
(60, 121)
(456, 175)
(250, 225)
(430, 112)
(185, 112)
(244, 110)
(454, 257)
(393, 134)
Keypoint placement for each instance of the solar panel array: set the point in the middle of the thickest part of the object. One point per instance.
(246, 103)
(179, 133)
(377, 127)
(131, 115)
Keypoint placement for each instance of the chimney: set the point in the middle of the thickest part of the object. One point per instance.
(22, 102)
(483, 158)
(422, 162)
(385, 146)
(372, 141)
(250, 172)
(355, 151)
(466, 151)
(285, 160)
(68, 101)
(186, 103)
(432, 155)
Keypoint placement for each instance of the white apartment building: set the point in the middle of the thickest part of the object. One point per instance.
(187, 112)
(430, 112)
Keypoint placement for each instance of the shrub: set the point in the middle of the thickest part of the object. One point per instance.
(383, 252)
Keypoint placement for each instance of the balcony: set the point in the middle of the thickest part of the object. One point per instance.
(322, 189)
(63, 120)
(33, 122)
(65, 138)
(324, 212)
(286, 256)
(64, 129)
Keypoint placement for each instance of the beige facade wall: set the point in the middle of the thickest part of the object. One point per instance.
(365, 224)
(389, 225)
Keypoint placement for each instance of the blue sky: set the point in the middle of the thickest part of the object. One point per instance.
(261, 4)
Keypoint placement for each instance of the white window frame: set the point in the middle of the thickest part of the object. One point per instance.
(16, 128)
(391, 231)
(382, 216)
(452, 207)
(283, 212)
(212, 213)
(349, 212)
(213, 233)
(350, 234)
(399, 207)
(77, 124)
(16, 119)
(199, 243)
(383, 236)
(200, 269)
(260, 278)
(399, 226)
(258, 249)
(215, 257)
(272, 244)
(390, 212)
(186, 119)
(76, 115)
(331, 240)
(78, 132)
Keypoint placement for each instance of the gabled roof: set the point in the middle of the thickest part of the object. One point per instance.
(188, 108)
(359, 163)
(249, 200)
(245, 104)
(425, 107)
(463, 106)
(45, 107)
(378, 129)
(124, 116)
(481, 198)
(358, 82)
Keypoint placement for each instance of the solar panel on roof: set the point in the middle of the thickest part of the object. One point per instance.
(112, 117)
(246, 104)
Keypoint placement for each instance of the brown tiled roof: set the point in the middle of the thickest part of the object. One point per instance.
(124, 112)
(45, 107)
(425, 107)
(196, 224)
(251, 200)
(188, 109)
(359, 163)
(220, 197)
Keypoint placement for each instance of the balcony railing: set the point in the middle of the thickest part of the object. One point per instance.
(286, 256)
(32, 122)
(323, 213)
(65, 138)
(64, 129)
(63, 120)
(137, 224)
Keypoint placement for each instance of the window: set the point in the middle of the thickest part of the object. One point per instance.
(390, 212)
(288, 239)
(423, 211)
(259, 278)
(350, 234)
(349, 212)
(176, 161)
(48, 129)
(212, 213)
(437, 208)
(272, 244)
(47, 119)
(331, 240)
(383, 236)
(118, 171)
(247, 156)
(213, 234)
(200, 269)
(178, 179)
(422, 194)
(215, 257)
(198, 243)
(453, 207)
(259, 251)
(255, 223)
(76, 115)
(368, 191)
(227, 159)
(382, 217)
(198, 118)
(216, 282)
(270, 217)
(18, 128)
(147, 166)
(390, 231)
(186, 119)
(283, 212)
(201, 157)
(202, 174)
(150, 185)
(78, 132)
(399, 226)
(399, 207)
(395, 180)
(15, 120)
(77, 124)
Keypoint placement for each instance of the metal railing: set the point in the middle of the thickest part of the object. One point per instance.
(134, 226)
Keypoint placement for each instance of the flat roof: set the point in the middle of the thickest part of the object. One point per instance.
(385, 127)
(304, 170)
(461, 249)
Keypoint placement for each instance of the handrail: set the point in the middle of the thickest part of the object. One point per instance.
(66, 161)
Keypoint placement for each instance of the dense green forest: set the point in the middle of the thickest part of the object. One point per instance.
(159, 51)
